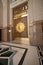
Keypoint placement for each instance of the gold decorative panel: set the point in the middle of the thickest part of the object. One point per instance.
(20, 14)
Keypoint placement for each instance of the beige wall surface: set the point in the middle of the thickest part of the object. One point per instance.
(1, 14)
(35, 15)
(36, 10)
(5, 17)
(4, 13)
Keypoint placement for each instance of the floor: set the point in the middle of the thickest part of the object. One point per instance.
(31, 57)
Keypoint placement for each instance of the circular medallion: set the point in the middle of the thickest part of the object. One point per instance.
(20, 27)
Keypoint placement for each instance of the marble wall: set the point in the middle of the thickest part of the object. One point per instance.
(35, 11)
(35, 15)
(1, 14)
